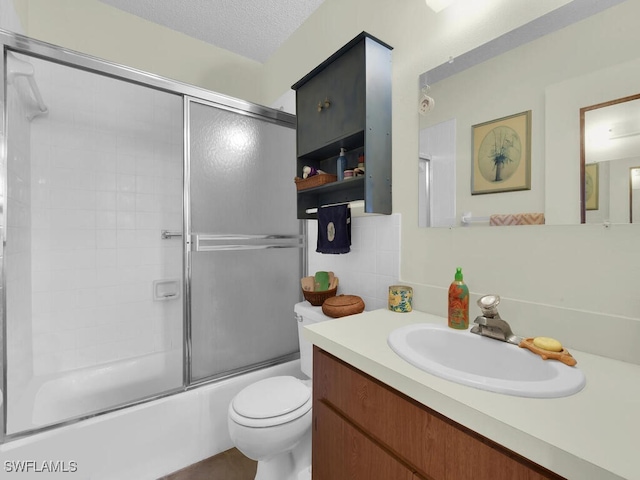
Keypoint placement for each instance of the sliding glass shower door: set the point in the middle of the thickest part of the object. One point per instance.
(94, 313)
(246, 247)
(150, 237)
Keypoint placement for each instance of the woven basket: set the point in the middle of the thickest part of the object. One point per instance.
(314, 181)
(317, 298)
(343, 305)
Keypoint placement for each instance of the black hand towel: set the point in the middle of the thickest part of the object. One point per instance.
(334, 229)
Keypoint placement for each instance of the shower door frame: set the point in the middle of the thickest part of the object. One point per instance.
(13, 42)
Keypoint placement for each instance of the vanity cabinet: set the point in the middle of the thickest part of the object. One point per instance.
(349, 453)
(345, 102)
(364, 429)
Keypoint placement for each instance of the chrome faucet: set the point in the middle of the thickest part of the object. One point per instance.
(489, 324)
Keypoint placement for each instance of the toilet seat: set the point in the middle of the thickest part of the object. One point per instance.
(270, 402)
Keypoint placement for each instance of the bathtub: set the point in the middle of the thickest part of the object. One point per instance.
(141, 442)
(51, 399)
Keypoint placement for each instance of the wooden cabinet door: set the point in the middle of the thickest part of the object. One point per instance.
(342, 452)
(427, 442)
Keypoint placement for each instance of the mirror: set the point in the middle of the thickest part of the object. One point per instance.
(609, 156)
(553, 75)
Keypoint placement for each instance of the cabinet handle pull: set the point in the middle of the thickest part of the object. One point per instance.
(326, 104)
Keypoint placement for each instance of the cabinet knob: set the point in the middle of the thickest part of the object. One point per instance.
(324, 105)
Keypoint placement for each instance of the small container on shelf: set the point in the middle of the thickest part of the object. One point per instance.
(315, 181)
(341, 164)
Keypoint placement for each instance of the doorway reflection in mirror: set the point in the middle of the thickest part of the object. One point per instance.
(634, 194)
(610, 134)
(437, 175)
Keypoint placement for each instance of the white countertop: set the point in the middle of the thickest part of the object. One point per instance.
(592, 435)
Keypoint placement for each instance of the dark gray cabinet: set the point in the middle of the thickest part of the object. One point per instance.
(345, 102)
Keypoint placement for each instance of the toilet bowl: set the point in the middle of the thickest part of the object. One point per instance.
(270, 420)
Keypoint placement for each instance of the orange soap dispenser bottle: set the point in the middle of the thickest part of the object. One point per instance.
(458, 302)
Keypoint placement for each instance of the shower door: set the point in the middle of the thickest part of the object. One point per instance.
(245, 241)
(94, 308)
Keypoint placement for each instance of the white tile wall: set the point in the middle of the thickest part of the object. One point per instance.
(106, 179)
(372, 265)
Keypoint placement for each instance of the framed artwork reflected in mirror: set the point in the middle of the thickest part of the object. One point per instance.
(502, 155)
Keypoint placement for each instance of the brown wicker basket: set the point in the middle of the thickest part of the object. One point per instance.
(314, 181)
(317, 298)
(343, 305)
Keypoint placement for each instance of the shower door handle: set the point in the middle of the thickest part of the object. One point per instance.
(167, 234)
(211, 243)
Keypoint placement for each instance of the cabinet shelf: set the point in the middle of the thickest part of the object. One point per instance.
(345, 102)
(343, 191)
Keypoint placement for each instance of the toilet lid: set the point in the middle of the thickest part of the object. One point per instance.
(271, 397)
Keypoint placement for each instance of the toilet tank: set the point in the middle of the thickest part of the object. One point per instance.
(307, 314)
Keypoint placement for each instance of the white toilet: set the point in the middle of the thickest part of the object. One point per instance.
(270, 420)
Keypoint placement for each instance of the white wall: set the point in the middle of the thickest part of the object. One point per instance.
(98, 29)
(9, 19)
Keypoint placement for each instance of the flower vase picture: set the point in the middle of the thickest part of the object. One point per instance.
(591, 178)
(502, 155)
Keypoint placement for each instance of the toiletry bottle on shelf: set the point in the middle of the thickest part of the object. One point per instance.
(458, 302)
(341, 164)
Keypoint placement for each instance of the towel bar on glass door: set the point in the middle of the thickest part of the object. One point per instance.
(210, 243)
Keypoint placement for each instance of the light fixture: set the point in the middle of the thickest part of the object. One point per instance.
(437, 5)
(426, 103)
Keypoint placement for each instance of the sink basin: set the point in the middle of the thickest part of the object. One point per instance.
(484, 363)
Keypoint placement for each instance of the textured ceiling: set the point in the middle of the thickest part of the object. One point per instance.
(251, 28)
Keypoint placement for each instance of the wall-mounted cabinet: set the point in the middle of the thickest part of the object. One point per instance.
(345, 102)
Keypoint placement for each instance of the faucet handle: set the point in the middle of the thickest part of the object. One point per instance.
(489, 305)
(480, 320)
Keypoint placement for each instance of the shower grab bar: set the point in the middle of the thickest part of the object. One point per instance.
(254, 242)
(17, 67)
(167, 234)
